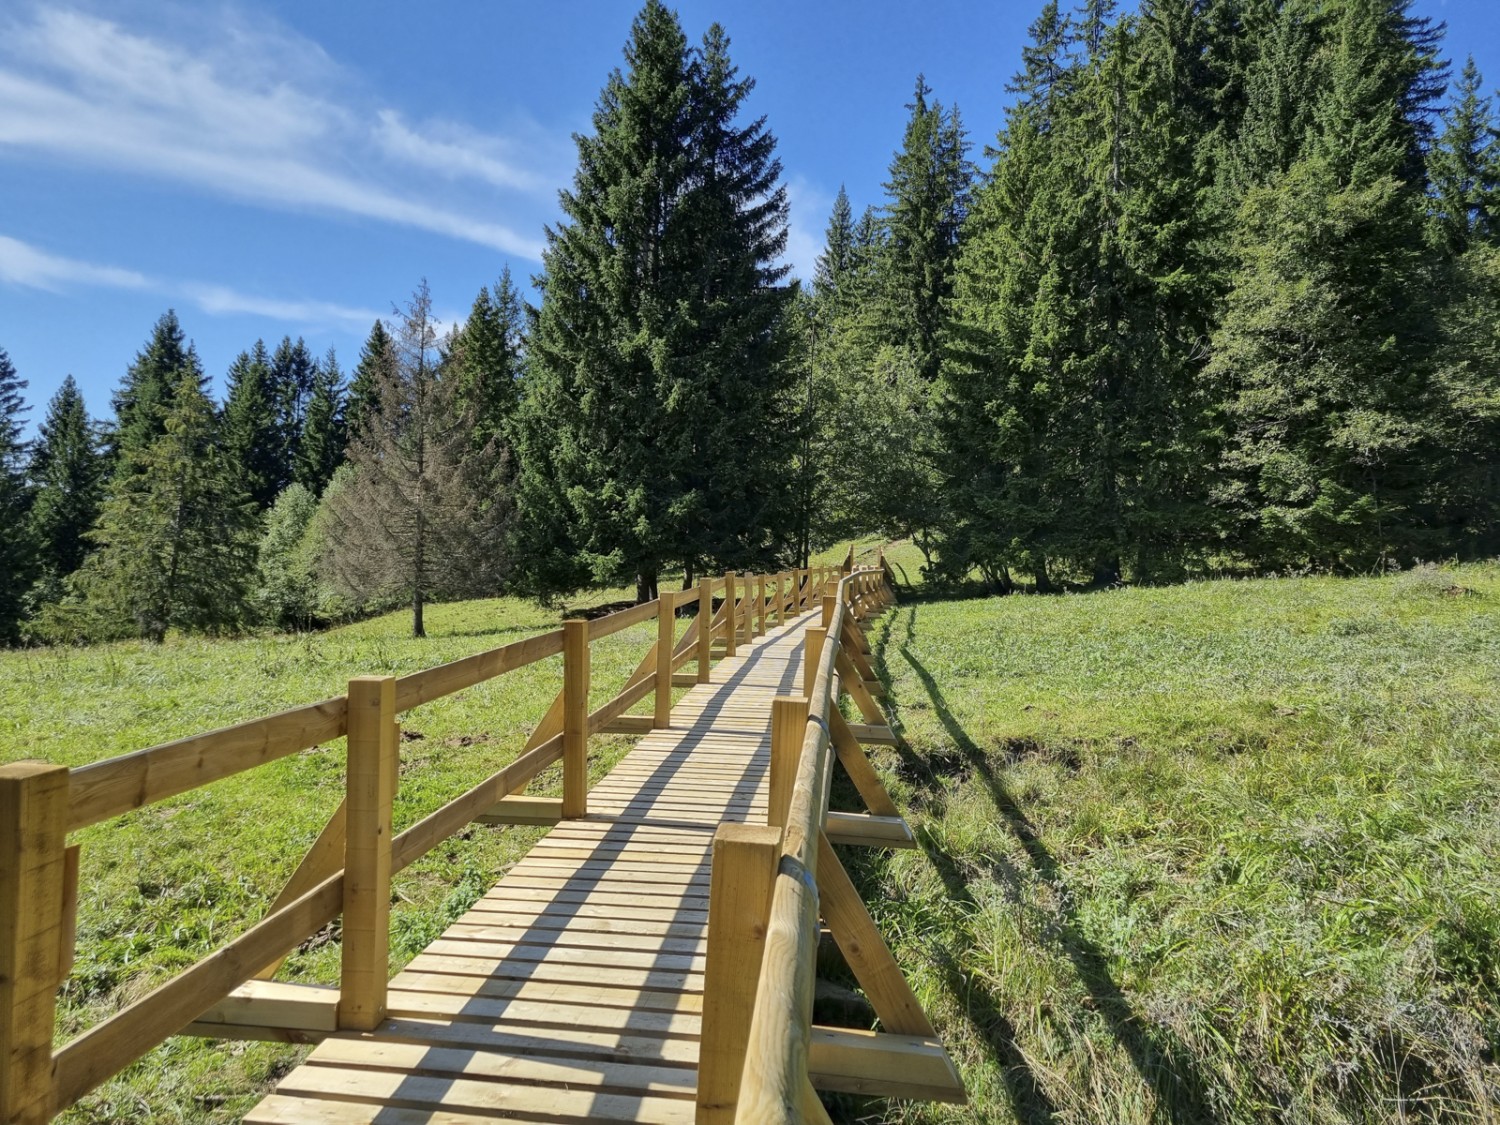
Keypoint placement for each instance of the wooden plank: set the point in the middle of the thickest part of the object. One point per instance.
(324, 858)
(109, 1047)
(788, 724)
(526, 1015)
(278, 1004)
(872, 734)
(33, 833)
(705, 629)
(666, 628)
(523, 809)
(865, 950)
(744, 870)
(732, 618)
(852, 757)
(372, 767)
(417, 688)
(854, 684)
(105, 789)
(812, 657)
(623, 619)
(630, 724)
(863, 830)
(590, 994)
(880, 1064)
(575, 718)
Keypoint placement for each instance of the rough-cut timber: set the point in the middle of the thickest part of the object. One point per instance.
(573, 991)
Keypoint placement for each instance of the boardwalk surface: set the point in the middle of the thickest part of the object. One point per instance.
(573, 991)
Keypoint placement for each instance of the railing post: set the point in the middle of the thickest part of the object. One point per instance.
(780, 598)
(666, 637)
(705, 627)
(788, 725)
(33, 831)
(371, 780)
(745, 858)
(811, 654)
(760, 605)
(731, 615)
(829, 602)
(575, 802)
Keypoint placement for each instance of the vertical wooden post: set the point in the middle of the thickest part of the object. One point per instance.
(731, 615)
(830, 602)
(666, 638)
(575, 802)
(33, 830)
(745, 858)
(760, 605)
(811, 654)
(367, 852)
(780, 598)
(705, 628)
(788, 725)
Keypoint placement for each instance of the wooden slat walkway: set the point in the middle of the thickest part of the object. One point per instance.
(573, 991)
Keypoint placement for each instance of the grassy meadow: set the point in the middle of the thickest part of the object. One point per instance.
(1220, 852)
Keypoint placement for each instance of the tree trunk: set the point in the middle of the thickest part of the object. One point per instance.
(645, 587)
(417, 628)
(1040, 577)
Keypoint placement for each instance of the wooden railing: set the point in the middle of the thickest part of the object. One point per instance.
(761, 1057)
(349, 868)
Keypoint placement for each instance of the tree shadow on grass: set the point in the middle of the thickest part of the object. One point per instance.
(1167, 1069)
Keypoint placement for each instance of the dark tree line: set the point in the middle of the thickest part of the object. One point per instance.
(1223, 297)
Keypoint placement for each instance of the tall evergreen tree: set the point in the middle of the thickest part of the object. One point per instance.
(1464, 168)
(176, 535)
(252, 426)
(321, 449)
(146, 393)
(67, 470)
(363, 393)
(651, 433)
(17, 548)
(490, 350)
(293, 374)
(837, 259)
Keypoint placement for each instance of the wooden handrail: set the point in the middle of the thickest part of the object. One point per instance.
(319, 892)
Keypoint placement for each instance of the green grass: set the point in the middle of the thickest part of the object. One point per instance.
(1216, 852)
(163, 886)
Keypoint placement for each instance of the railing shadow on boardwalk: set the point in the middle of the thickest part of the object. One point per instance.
(668, 970)
(1166, 1069)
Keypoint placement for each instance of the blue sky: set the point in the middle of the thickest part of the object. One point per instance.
(272, 167)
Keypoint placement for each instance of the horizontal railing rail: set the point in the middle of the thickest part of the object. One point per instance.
(348, 869)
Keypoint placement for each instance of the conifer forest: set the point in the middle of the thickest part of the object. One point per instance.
(1222, 297)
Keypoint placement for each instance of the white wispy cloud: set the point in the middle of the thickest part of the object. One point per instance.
(26, 265)
(244, 113)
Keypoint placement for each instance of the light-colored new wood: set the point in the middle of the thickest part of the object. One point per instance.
(867, 831)
(104, 789)
(33, 827)
(278, 1004)
(365, 959)
(705, 629)
(67, 930)
(873, 734)
(523, 809)
(852, 757)
(434, 683)
(744, 868)
(324, 858)
(575, 718)
(880, 1064)
(811, 655)
(623, 619)
(788, 723)
(666, 628)
(631, 724)
(731, 634)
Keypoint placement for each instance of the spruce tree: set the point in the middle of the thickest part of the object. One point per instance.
(836, 260)
(1464, 168)
(17, 547)
(363, 393)
(252, 427)
(413, 522)
(321, 448)
(146, 393)
(175, 539)
(651, 432)
(490, 351)
(293, 373)
(67, 471)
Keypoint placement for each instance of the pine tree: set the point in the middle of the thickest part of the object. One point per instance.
(17, 547)
(412, 522)
(490, 350)
(321, 448)
(67, 471)
(293, 373)
(837, 259)
(363, 394)
(654, 370)
(1464, 167)
(146, 393)
(1046, 66)
(175, 539)
(252, 426)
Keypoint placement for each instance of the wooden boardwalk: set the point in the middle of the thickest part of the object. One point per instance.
(573, 990)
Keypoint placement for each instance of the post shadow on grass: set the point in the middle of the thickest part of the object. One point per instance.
(1165, 1068)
